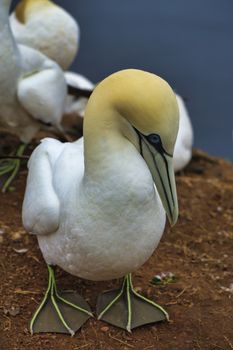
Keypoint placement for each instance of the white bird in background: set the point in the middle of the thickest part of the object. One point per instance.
(77, 105)
(184, 141)
(33, 89)
(98, 205)
(48, 28)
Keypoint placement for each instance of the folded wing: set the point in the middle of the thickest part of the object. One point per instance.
(43, 94)
(41, 207)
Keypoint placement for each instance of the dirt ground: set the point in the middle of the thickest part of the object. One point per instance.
(198, 251)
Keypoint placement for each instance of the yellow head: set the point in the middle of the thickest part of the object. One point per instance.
(143, 107)
(26, 7)
(145, 100)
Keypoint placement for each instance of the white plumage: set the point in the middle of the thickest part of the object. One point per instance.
(83, 226)
(32, 87)
(184, 141)
(73, 105)
(48, 28)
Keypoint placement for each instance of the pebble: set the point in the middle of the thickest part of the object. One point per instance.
(16, 236)
(104, 329)
(13, 311)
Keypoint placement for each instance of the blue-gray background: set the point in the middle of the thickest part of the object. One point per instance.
(188, 42)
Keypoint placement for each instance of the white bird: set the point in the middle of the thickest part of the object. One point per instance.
(76, 105)
(48, 28)
(98, 206)
(33, 89)
(184, 141)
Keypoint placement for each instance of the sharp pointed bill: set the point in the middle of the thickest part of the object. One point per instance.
(160, 164)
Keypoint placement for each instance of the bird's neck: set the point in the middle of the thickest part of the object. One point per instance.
(101, 140)
(9, 54)
(5, 31)
(114, 170)
(4, 12)
(105, 141)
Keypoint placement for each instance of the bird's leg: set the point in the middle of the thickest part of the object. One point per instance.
(127, 309)
(11, 166)
(59, 313)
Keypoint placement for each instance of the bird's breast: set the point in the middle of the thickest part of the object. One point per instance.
(108, 229)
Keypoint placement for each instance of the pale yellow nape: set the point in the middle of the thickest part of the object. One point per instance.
(144, 99)
(26, 7)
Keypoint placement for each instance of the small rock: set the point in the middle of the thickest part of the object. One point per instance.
(13, 311)
(164, 278)
(104, 329)
(219, 209)
(16, 236)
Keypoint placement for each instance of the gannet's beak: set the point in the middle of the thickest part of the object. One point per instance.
(160, 164)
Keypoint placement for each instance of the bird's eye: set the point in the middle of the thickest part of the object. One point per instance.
(154, 139)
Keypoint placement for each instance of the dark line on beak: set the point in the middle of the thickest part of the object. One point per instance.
(161, 179)
(140, 140)
(164, 189)
(166, 165)
(161, 151)
(168, 175)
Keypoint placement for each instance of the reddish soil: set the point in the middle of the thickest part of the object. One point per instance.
(198, 250)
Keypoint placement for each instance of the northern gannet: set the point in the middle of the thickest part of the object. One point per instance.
(33, 89)
(77, 105)
(184, 141)
(98, 205)
(47, 28)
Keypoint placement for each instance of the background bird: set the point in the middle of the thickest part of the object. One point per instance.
(33, 89)
(98, 205)
(48, 28)
(74, 104)
(184, 141)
